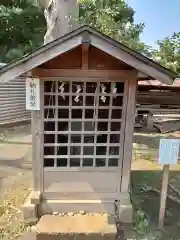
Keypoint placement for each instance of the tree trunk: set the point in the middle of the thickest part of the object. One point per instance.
(61, 17)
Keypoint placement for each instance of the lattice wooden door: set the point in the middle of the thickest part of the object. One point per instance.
(83, 134)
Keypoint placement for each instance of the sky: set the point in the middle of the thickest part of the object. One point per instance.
(161, 18)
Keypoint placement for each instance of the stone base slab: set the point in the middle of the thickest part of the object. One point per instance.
(30, 211)
(64, 206)
(35, 197)
(125, 209)
(76, 227)
(125, 213)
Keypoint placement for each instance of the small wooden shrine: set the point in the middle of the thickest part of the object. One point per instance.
(83, 112)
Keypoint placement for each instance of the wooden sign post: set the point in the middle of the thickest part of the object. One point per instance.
(168, 154)
(164, 188)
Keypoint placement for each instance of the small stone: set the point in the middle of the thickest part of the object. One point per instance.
(61, 214)
(105, 214)
(90, 214)
(96, 214)
(2, 228)
(70, 214)
(33, 228)
(82, 212)
(55, 213)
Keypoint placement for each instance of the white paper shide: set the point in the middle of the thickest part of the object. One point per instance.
(32, 94)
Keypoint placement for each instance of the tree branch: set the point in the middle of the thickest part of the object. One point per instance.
(168, 196)
(174, 189)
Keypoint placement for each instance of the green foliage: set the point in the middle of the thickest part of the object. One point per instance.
(22, 27)
(143, 228)
(115, 19)
(22, 24)
(141, 222)
(168, 52)
(143, 225)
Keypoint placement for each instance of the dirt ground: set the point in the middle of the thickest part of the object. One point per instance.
(15, 180)
(15, 183)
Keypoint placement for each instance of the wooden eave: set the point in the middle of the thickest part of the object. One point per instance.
(86, 35)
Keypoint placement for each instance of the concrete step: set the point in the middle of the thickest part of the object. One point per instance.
(78, 227)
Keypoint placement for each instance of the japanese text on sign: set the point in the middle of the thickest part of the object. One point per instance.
(32, 94)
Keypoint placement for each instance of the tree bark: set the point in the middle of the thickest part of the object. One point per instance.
(61, 17)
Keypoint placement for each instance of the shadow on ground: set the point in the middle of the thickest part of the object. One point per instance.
(149, 201)
(148, 141)
(19, 163)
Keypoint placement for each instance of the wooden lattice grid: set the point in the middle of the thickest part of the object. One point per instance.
(82, 123)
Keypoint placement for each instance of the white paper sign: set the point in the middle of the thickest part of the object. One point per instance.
(168, 151)
(32, 94)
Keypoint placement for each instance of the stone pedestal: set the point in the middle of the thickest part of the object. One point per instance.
(125, 209)
(30, 211)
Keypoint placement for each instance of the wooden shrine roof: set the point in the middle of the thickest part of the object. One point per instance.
(149, 68)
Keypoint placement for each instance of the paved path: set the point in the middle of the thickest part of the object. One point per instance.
(14, 150)
(13, 154)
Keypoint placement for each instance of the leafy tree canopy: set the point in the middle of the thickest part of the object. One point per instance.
(22, 24)
(114, 18)
(168, 52)
(22, 27)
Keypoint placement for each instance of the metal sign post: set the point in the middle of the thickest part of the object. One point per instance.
(168, 154)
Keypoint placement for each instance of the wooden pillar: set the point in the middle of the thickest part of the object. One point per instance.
(37, 149)
(128, 139)
(150, 121)
(125, 207)
(85, 56)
